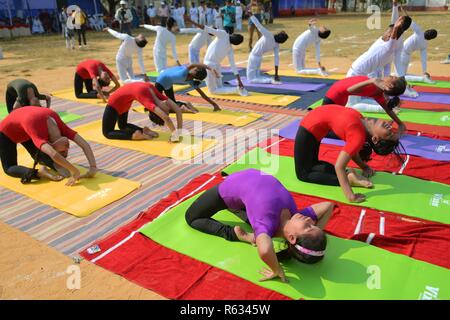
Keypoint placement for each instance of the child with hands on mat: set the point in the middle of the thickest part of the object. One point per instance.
(262, 201)
(359, 134)
(158, 106)
(46, 138)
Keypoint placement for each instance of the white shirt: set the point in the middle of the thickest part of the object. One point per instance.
(220, 48)
(417, 42)
(193, 12)
(163, 38)
(265, 43)
(307, 38)
(199, 40)
(202, 12)
(127, 48)
(239, 12)
(151, 12)
(379, 55)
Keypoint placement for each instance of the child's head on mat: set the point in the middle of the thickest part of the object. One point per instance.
(104, 79)
(383, 139)
(281, 37)
(236, 39)
(141, 42)
(430, 34)
(306, 242)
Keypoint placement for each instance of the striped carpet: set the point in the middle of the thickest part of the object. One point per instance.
(159, 176)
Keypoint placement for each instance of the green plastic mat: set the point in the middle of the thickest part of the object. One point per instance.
(64, 115)
(350, 269)
(396, 193)
(409, 115)
(153, 74)
(438, 84)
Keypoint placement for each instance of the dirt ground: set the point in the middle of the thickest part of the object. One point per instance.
(31, 270)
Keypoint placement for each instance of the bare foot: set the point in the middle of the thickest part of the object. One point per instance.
(243, 235)
(150, 133)
(138, 135)
(44, 173)
(357, 180)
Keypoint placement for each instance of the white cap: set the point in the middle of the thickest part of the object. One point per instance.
(123, 2)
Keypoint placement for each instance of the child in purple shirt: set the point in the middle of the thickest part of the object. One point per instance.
(262, 201)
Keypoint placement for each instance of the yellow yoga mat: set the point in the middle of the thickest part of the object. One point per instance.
(254, 97)
(292, 73)
(206, 114)
(187, 149)
(69, 94)
(87, 196)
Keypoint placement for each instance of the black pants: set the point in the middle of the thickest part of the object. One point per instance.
(79, 83)
(169, 93)
(308, 167)
(10, 98)
(229, 30)
(8, 155)
(327, 100)
(81, 33)
(199, 214)
(111, 118)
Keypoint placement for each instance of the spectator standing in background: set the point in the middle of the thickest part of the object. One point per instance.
(202, 13)
(80, 23)
(193, 13)
(151, 12)
(239, 13)
(209, 15)
(163, 13)
(218, 22)
(125, 18)
(63, 20)
(229, 17)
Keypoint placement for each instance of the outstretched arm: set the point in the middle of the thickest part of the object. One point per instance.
(115, 34)
(84, 145)
(61, 161)
(208, 99)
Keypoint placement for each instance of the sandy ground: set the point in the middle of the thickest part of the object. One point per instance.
(31, 270)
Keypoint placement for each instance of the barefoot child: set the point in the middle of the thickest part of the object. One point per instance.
(263, 202)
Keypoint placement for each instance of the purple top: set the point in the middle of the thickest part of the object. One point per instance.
(261, 195)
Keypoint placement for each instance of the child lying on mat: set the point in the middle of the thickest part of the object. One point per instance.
(358, 134)
(46, 138)
(262, 201)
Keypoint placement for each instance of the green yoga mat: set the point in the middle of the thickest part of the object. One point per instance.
(409, 115)
(65, 116)
(153, 74)
(396, 193)
(438, 84)
(349, 270)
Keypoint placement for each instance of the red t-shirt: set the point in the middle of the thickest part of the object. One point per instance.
(122, 99)
(345, 122)
(339, 94)
(27, 123)
(88, 69)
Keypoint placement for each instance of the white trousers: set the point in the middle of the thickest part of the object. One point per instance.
(238, 24)
(254, 70)
(194, 55)
(215, 84)
(298, 60)
(159, 59)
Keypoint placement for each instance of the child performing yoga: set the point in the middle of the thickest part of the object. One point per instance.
(262, 201)
(158, 105)
(192, 74)
(94, 76)
(21, 92)
(377, 89)
(46, 138)
(350, 126)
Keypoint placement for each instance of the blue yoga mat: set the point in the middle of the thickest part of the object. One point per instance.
(414, 145)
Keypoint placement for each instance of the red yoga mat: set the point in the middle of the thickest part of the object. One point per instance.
(408, 104)
(425, 89)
